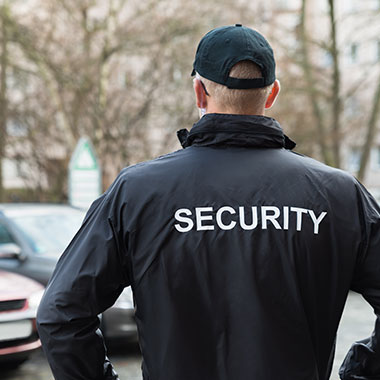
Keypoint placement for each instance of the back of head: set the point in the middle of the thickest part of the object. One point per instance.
(239, 101)
(237, 67)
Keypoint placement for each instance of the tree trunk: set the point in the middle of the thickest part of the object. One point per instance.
(336, 103)
(3, 96)
(311, 88)
(371, 130)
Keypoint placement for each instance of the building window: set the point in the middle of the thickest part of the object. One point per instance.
(375, 5)
(350, 5)
(352, 107)
(281, 4)
(376, 158)
(327, 59)
(354, 57)
(354, 159)
(16, 129)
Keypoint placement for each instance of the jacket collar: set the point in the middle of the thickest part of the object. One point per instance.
(235, 130)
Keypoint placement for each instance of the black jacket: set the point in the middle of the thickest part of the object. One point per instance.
(240, 254)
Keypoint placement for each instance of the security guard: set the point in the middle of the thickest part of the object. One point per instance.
(240, 252)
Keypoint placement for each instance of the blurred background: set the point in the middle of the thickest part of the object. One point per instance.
(88, 87)
(118, 72)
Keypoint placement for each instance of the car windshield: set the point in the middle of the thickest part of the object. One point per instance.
(49, 233)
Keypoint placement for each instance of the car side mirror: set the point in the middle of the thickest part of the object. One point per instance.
(10, 251)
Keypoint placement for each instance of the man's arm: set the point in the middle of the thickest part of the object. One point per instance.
(363, 359)
(88, 279)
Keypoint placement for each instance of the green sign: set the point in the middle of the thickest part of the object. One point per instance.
(85, 183)
(84, 158)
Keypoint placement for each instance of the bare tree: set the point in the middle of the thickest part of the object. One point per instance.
(311, 86)
(329, 137)
(3, 91)
(327, 101)
(121, 76)
(100, 80)
(336, 101)
(370, 133)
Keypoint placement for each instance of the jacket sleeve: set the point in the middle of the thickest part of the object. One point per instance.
(363, 359)
(89, 277)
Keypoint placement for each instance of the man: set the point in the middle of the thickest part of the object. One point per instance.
(240, 253)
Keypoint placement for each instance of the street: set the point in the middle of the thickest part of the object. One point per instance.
(357, 323)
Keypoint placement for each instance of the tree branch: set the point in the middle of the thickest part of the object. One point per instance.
(371, 130)
(312, 91)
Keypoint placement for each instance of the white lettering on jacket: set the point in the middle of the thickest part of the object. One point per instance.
(200, 218)
(245, 226)
(182, 219)
(219, 221)
(206, 218)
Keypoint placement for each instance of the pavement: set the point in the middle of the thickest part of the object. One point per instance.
(357, 323)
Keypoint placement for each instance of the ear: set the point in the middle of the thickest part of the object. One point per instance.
(273, 94)
(200, 94)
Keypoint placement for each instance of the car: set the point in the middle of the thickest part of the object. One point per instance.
(32, 238)
(19, 299)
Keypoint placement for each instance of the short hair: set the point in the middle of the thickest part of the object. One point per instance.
(245, 101)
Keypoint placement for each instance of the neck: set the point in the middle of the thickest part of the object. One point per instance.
(211, 108)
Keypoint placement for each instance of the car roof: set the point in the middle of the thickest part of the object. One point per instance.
(18, 209)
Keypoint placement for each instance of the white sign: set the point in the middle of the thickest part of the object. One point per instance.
(85, 177)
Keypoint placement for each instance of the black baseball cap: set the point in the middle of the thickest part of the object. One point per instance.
(221, 48)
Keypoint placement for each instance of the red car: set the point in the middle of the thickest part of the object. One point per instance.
(19, 299)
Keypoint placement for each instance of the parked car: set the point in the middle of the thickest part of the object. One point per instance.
(33, 236)
(19, 299)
